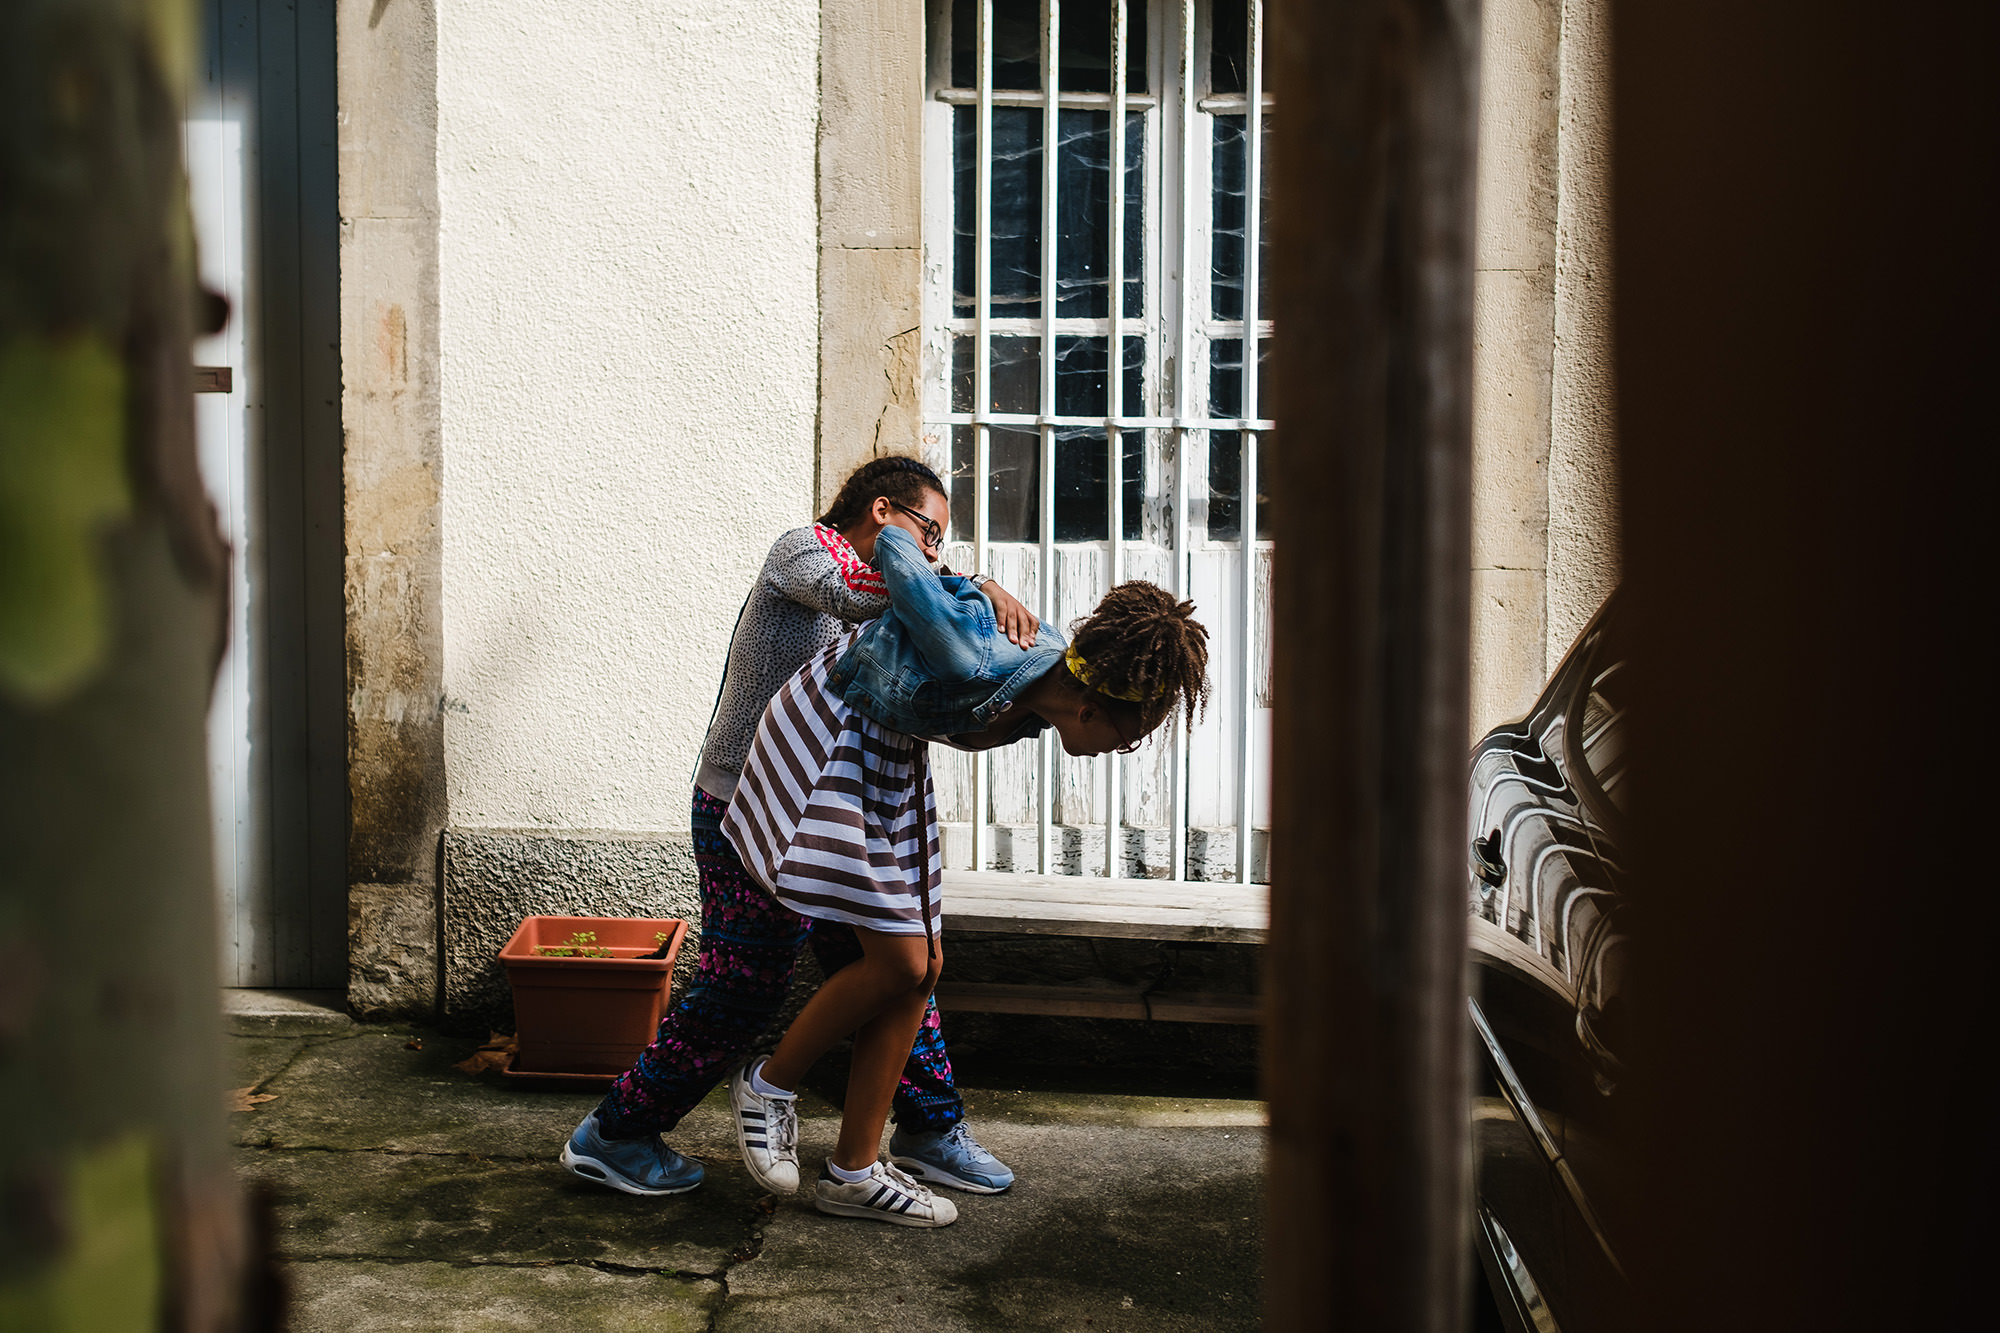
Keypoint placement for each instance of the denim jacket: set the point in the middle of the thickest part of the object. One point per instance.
(937, 664)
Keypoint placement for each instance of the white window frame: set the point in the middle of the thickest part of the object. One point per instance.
(1178, 329)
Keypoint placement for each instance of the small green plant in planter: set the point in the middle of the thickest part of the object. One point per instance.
(580, 946)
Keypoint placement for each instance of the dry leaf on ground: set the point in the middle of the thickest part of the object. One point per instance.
(497, 1053)
(246, 1099)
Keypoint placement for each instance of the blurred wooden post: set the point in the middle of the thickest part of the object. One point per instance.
(1805, 295)
(1365, 1032)
(119, 1204)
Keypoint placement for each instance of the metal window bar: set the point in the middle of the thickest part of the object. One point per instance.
(982, 314)
(1246, 647)
(1183, 384)
(1123, 423)
(1114, 791)
(1045, 583)
(1071, 101)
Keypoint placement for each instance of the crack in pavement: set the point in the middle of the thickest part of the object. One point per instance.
(599, 1265)
(306, 1043)
(764, 1207)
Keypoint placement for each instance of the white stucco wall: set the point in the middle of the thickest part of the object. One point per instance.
(628, 317)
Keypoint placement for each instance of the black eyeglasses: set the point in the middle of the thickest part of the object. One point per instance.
(927, 527)
(1129, 746)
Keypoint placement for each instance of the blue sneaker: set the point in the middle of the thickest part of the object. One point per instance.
(952, 1158)
(636, 1166)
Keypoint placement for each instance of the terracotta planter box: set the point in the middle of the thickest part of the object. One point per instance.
(588, 1017)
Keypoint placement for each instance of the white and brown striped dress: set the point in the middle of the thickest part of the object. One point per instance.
(834, 813)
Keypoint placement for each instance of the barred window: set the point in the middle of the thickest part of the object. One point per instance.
(1094, 346)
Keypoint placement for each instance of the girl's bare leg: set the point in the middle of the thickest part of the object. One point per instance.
(880, 1001)
(881, 1049)
(891, 967)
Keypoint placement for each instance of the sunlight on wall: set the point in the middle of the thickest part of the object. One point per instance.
(629, 368)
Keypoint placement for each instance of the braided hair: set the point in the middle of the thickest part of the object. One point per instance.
(896, 476)
(1141, 643)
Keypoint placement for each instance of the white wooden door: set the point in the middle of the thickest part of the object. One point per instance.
(259, 148)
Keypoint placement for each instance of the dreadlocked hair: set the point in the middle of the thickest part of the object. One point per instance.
(900, 478)
(1142, 644)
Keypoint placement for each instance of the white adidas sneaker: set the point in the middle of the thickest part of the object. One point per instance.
(767, 1132)
(887, 1195)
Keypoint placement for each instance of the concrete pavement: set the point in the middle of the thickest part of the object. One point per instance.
(412, 1196)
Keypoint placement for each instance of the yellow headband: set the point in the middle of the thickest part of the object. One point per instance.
(1081, 670)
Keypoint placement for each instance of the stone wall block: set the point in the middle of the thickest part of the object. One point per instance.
(870, 170)
(392, 953)
(387, 80)
(1513, 325)
(871, 63)
(1515, 222)
(869, 347)
(1507, 635)
(391, 467)
(1513, 347)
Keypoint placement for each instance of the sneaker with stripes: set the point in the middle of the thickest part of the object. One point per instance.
(885, 1194)
(767, 1132)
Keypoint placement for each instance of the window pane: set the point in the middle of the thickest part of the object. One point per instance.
(964, 207)
(1230, 176)
(1135, 214)
(1229, 46)
(1017, 212)
(1225, 483)
(1225, 486)
(1264, 228)
(964, 483)
(1134, 467)
(1083, 214)
(1016, 457)
(964, 348)
(1267, 448)
(1083, 486)
(1017, 43)
(1225, 377)
(965, 43)
(1135, 46)
(1016, 376)
(1133, 442)
(1081, 387)
(1086, 45)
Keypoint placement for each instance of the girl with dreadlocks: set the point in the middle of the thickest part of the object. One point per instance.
(836, 817)
(816, 582)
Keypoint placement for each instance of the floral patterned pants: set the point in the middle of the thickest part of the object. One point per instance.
(749, 948)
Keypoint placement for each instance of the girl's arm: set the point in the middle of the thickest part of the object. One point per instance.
(1016, 621)
(948, 620)
(821, 571)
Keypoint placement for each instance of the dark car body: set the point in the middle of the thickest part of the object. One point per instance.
(1550, 918)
